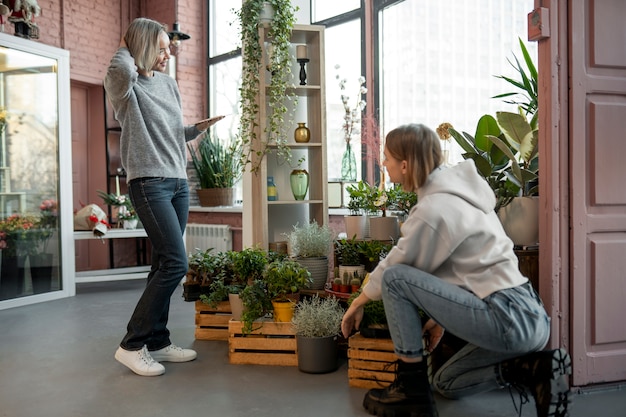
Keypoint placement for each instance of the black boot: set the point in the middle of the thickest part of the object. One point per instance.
(545, 374)
(408, 396)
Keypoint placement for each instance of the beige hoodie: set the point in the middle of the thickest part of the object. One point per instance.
(454, 234)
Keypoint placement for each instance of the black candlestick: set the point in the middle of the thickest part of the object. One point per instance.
(302, 61)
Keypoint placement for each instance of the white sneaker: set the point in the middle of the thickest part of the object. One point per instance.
(139, 361)
(173, 353)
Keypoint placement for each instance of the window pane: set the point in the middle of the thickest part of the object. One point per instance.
(343, 49)
(443, 68)
(223, 26)
(225, 82)
(323, 9)
(29, 167)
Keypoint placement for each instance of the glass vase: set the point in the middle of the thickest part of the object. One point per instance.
(299, 179)
(348, 164)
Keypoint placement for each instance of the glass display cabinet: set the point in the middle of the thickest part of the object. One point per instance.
(35, 172)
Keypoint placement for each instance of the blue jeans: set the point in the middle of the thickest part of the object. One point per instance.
(503, 325)
(162, 205)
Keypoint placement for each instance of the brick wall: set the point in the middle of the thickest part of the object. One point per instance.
(91, 31)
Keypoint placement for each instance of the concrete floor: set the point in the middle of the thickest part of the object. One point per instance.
(56, 360)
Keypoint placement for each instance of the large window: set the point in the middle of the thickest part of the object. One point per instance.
(437, 64)
(428, 62)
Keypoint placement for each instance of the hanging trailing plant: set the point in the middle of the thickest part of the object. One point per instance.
(280, 88)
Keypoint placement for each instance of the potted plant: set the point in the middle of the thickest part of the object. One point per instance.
(383, 227)
(374, 321)
(348, 259)
(317, 322)
(361, 204)
(505, 152)
(218, 167)
(372, 251)
(400, 202)
(247, 266)
(279, 63)
(310, 245)
(214, 275)
(256, 303)
(284, 279)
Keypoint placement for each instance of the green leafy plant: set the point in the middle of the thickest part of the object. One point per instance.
(372, 251)
(400, 200)
(217, 163)
(256, 304)
(249, 264)
(280, 61)
(373, 311)
(310, 240)
(318, 317)
(527, 86)
(285, 277)
(347, 252)
(362, 198)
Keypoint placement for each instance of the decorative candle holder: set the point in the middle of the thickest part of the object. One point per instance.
(302, 58)
(302, 62)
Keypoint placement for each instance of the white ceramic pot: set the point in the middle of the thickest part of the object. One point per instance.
(384, 228)
(357, 226)
(520, 219)
(130, 224)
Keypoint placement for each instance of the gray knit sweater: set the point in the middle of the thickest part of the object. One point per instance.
(149, 110)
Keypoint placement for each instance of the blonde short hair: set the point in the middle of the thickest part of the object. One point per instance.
(142, 40)
(419, 146)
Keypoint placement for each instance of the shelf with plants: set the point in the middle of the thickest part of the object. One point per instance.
(268, 221)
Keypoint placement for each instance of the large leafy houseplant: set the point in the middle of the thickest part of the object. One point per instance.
(505, 148)
(279, 63)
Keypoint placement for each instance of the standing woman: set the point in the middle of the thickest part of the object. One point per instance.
(454, 268)
(148, 106)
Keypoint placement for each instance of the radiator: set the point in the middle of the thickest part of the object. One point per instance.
(205, 236)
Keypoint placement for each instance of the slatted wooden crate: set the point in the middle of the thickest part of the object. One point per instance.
(212, 323)
(270, 343)
(370, 362)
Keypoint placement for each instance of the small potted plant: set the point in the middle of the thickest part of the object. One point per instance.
(247, 266)
(400, 202)
(284, 280)
(374, 322)
(348, 259)
(310, 245)
(218, 167)
(372, 251)
(317, 322)
(360, 205)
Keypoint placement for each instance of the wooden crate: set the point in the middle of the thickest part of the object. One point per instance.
(212, 323)
(370, 362)
(270, 343)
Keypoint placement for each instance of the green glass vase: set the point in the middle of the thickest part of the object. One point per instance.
(299, 180)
